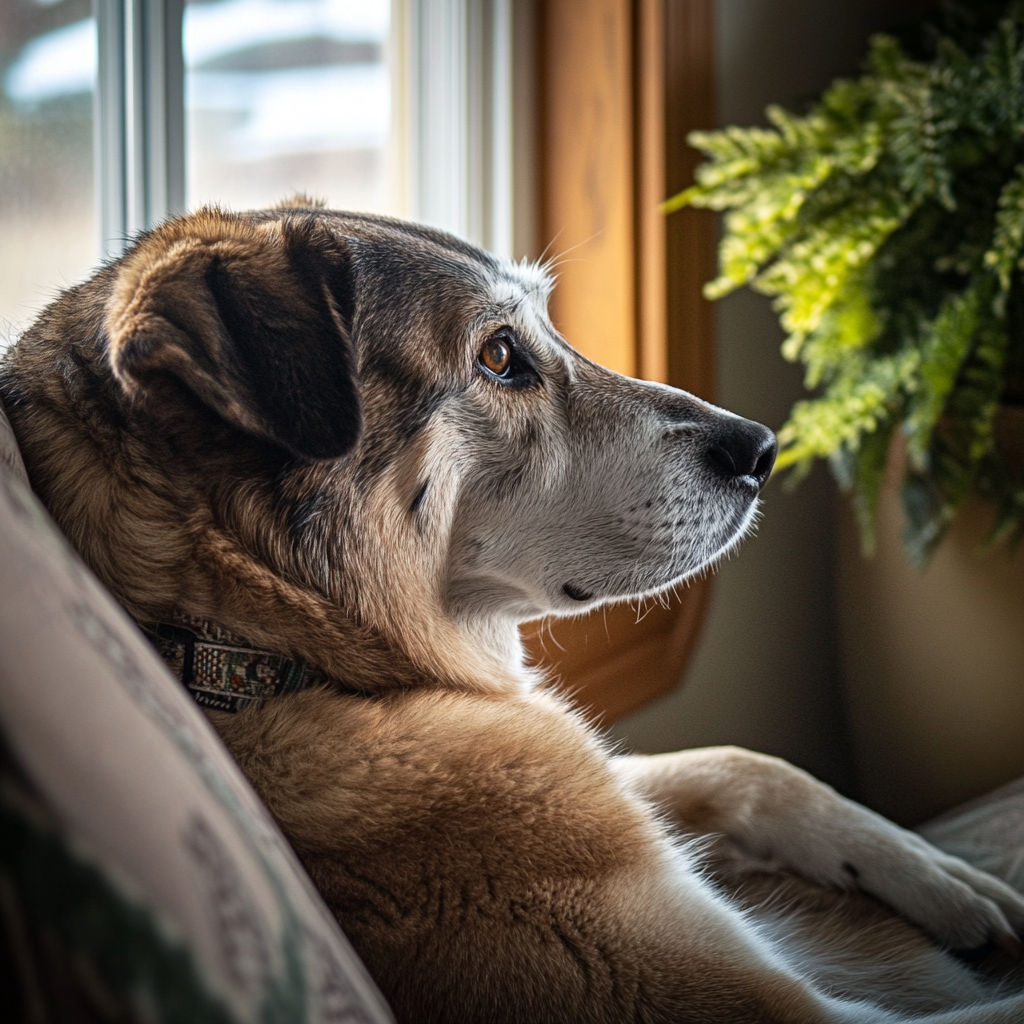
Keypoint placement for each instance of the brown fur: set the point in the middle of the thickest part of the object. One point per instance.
(275, 421)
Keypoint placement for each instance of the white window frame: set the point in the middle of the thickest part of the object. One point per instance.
(452, 96)
(139, 117)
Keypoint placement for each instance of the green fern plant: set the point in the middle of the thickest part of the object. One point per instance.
(888, 224)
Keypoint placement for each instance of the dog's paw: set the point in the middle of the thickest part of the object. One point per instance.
(758, 813)
(958, 905)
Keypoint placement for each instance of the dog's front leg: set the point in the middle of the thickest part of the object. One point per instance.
(765, 813)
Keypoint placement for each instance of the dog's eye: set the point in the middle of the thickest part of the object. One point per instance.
(496, 356)
(502, 358)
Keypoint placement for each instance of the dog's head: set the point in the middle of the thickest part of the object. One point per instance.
(386, 415)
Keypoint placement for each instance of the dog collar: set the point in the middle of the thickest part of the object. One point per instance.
(222, 670)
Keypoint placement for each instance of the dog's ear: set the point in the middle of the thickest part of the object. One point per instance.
(254, 319)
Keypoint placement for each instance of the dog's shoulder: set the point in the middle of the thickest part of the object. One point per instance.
(497, 775)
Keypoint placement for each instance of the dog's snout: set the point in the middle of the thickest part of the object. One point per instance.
(742, 448)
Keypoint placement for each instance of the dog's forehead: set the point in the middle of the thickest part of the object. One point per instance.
(416, 258)
(518, 292)
(530, 279)
(427, 283)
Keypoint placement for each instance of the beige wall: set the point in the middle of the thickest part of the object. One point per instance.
(934, 665)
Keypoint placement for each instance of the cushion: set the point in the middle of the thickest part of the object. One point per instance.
(140, 876)
(987, 832)
(10, 455)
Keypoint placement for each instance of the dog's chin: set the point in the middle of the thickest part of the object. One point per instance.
(745, 524)
(483, 595)
(582, 594)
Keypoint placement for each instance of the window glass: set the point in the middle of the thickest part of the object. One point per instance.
(48, 234)
(284, 96)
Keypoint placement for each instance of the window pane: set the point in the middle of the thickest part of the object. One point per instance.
(47, 218)
(287, 95)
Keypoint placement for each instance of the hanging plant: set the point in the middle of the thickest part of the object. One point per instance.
(888, 223)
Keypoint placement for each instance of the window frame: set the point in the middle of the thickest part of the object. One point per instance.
(139, 119)
(453, 90)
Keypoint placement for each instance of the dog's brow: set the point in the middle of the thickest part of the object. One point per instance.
(500, 309)
(513, 305)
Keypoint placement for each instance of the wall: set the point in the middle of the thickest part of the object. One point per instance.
(934, 664)
(766, 673)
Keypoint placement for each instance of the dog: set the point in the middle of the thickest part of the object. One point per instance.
(359, 446)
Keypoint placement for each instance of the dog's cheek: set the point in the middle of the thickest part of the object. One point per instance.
(656, 523)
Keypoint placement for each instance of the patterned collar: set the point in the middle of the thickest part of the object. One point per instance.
(221, 670)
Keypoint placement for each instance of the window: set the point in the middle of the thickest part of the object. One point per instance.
(287, 95)
(403, 106)
(47, 212)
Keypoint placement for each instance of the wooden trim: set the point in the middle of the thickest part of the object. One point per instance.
(649, 62)
(587, 157)
(617, 659)
(691, 236)
(620, 84)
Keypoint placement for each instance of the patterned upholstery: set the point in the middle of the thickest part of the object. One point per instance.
(140, 876)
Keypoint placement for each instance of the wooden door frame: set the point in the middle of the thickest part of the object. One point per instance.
(620, 84)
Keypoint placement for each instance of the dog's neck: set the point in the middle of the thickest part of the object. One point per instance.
(225, 671)
(501, 639)
(222, 670)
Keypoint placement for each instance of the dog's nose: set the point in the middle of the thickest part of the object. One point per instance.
(742, 448)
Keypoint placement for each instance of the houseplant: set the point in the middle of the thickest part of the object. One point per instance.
(888, 223)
